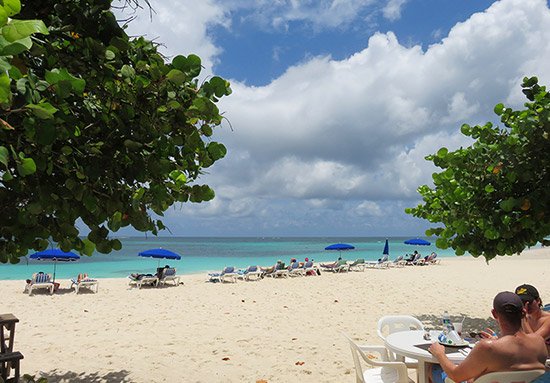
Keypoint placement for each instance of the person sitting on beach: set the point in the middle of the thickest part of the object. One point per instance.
(513, 350)
(535, 320)
(268, 270)
(411, 257)
(160, 271)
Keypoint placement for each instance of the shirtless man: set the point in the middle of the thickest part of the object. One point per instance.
(535, 320)
(513, 350)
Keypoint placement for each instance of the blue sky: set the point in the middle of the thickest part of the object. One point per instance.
(336, 103)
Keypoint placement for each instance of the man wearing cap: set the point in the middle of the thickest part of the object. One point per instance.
(513, 350)
(535, 320)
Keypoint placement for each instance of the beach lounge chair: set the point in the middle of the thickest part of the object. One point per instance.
(249, 273)
(526, 376)
(358, 265)
(140, 280)
(82, 280)
(394, 323)
(40, 281)
(379, 264)
(434, 260)
(397, 262)
(414, 261)
(338, 266)
(382, 370)
(227, 274)
(309, 268)
(169, 275)
(279, 270)
(295, 269)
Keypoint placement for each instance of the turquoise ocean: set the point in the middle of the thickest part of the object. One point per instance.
(206, 254)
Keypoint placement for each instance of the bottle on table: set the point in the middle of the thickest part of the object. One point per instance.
(446, 321)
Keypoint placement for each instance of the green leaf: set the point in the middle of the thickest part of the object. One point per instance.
(115, 222)
(499, 108)
(216, 150)
(176, 76)
(20, 29)
(4, 155)
(508, 204)
(89, 247)
(62, 77)
(43, 110)
(5, 90)
(26, 166)
(441, 153)
(109, 54)
(489, 188)
(3, 17)
(11, 7)
(14, 48)
(127, 71)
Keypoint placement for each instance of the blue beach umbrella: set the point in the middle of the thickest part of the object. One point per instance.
(386, 248)
(160, 254)
(55, 255)
(340, 247)
(417, 241)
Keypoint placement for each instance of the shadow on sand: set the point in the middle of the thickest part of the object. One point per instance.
(55, 376)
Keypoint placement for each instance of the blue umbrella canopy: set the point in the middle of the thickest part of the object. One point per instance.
(340, 246)
(417, 241)
(386, 248)
(55, 255)
(160, 254)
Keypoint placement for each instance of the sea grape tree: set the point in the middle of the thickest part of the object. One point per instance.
(493, 198)
(100, 128)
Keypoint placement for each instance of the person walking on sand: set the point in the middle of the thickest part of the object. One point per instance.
(513, 350)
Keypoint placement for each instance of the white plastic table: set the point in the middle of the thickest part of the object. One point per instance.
(403, 343)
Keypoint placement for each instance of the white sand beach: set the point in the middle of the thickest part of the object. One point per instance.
(273, 330)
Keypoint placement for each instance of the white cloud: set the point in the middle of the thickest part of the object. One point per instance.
(392, 10)
(359, 129)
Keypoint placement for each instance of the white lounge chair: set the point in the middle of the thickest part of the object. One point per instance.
(383, 370)
(249, 273)
(140, 280)
(295, 270)
(169, 275)
(507, 377)
(358, 265)
(82, 280)
(40, 281)
(394, 323)
(309, 268)
(397, 262)
(382, 263)
(338, 266)
(227, 274)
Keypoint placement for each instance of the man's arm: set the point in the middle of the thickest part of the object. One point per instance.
(473, 366)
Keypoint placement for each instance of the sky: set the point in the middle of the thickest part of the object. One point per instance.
(336, 103)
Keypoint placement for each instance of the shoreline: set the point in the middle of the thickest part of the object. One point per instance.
(248, 331)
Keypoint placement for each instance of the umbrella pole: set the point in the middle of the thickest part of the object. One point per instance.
(54, 267)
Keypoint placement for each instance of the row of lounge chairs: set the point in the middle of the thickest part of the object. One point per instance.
(42, 280)
(230, 274)
(360, 264)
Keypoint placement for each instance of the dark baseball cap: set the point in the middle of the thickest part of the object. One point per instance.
(507, 302)
(527, 293)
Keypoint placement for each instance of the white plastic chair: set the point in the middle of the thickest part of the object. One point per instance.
(507, 377)
(383, 370)
(394, 323)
